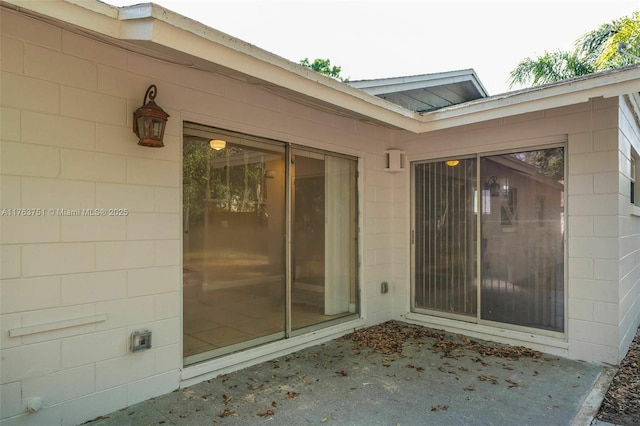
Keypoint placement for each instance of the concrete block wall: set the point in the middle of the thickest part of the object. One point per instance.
(401, 243)
(593, 236)
(629, 230)
(66, 144)
(377, 230)
(63, 123)
(590, 130)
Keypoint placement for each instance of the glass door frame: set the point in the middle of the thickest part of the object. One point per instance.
(288, 150)
(246, 141)
(477, 319)
(444, 314)
(290, 331)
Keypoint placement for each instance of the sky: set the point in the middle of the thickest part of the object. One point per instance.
(372, 39)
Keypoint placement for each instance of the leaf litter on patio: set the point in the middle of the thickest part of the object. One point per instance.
(621, 404)
(389, 338)
(382, 344)
(261, 391)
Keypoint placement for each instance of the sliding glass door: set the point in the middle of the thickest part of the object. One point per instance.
(324, 237)
(445, 201)
(244, 198)
(233, 244)
(523, 234)
(489, 239)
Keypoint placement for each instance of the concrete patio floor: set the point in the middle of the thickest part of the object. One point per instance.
(434, 381)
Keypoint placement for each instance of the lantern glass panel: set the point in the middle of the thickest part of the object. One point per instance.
(158, 126)
(141, 130)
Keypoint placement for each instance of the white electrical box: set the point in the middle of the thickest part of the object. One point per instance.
(396, 160)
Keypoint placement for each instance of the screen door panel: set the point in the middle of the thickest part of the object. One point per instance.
(445, 228)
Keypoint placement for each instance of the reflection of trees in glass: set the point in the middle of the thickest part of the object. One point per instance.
(309, 213)
(238, 181)
(229, 180)
(194, 176)
(549, 162)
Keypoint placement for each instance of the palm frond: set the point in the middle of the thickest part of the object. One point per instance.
(594, 51)
(627, 33)
(549, 68)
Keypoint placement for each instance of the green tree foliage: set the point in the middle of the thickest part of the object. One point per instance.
(549, 68)
(228, 180)
(596, 50)
(604, 42)
(549, 162)
(323, 66)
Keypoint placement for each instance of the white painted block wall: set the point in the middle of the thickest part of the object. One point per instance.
(66, 143)
(598, 328)
(592, 244)
(629, 232)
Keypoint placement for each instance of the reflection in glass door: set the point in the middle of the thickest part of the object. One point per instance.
(233, 249)
(445, 237)
(523, 253)
(324, 238)
(516, 212)
(270, 241)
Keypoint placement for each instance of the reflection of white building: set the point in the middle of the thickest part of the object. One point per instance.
(222, 289)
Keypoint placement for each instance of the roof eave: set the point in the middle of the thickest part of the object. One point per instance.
(381, 86)
(153, 26)
(219, 48)
(610, 84)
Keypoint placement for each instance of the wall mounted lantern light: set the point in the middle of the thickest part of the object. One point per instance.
(492, 186)
(150, 120)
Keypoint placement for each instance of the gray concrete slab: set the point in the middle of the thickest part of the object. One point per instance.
(337, 383)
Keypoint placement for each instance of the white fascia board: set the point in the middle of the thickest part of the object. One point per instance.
(478, 83)
(532, 100)
(185, 35)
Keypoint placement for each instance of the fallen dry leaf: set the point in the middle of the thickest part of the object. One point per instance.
(439, 407)
(491, 379)
(621, 404)
(227, 412)
(267, 412)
